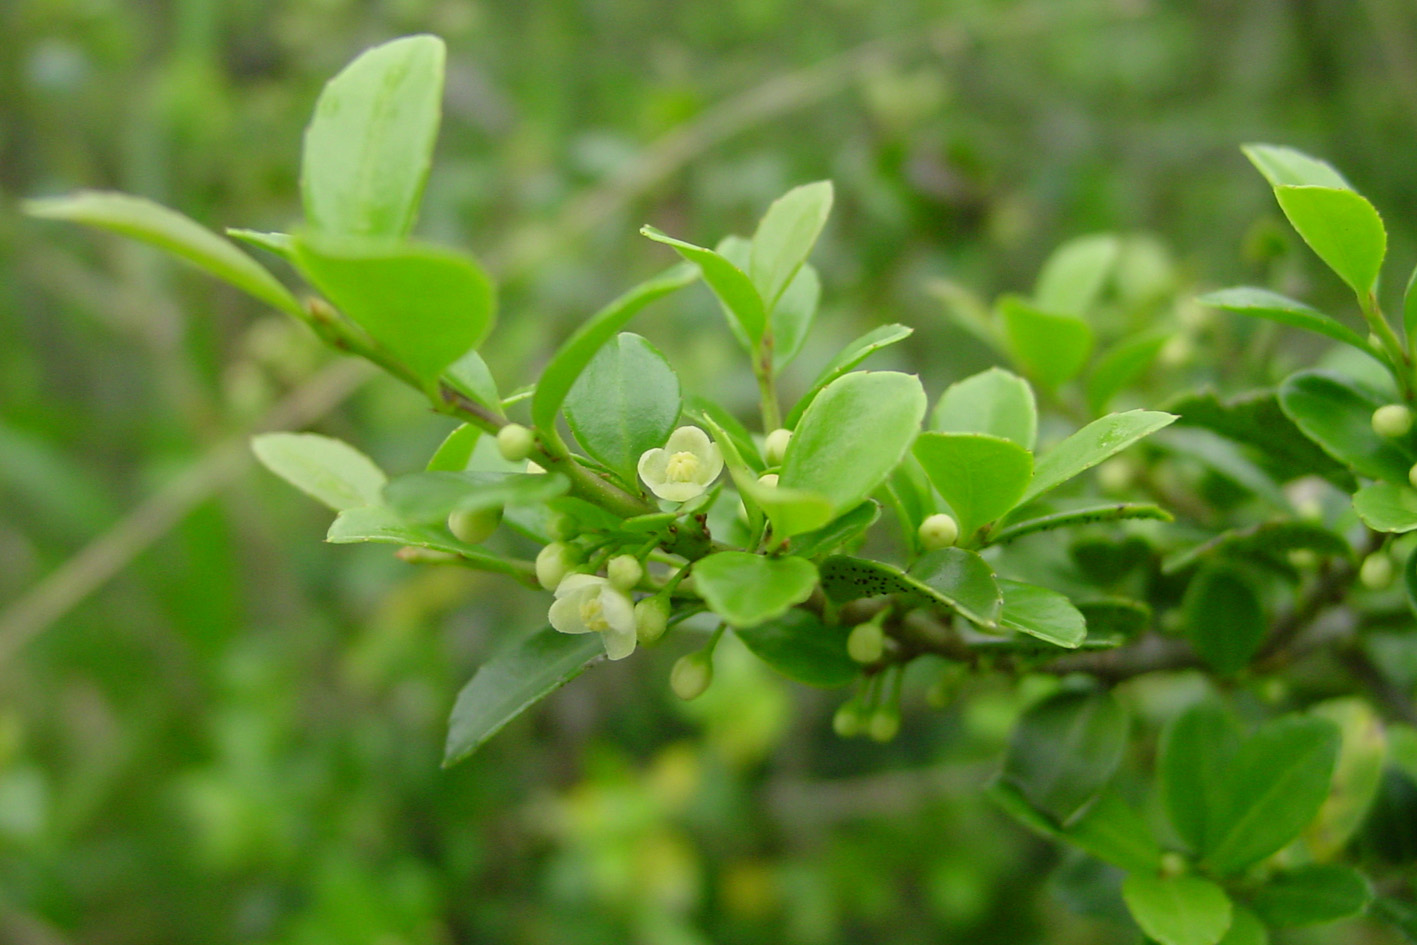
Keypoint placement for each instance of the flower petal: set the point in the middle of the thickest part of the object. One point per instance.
(690, 439)
(654, 466)
(617, 608)
(712, 463)
(618, 643)
(578, 582)
(677, 491)
(565, 615)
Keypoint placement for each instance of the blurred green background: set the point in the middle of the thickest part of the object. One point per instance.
(216, 729)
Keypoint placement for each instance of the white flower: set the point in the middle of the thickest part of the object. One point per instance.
(586, 603)
(684, 467)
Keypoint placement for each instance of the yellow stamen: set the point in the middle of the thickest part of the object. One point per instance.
(593, 615)
(682, 467)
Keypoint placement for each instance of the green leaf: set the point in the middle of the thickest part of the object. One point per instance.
(732, 286)
(427, 497)
(1256, 420)
(381, 525)
(1099, 440)
(1197, 749)
(850, 356)
(1114, 619)
(1121, 365)
(1073, 277)
(326, 469)
(1041, 613)
(455, 452)
(710, 413)
(1262, 303)
(799, 646)
(793, 315)
(512, 681)
(171, 232)
(1312, 895)
(746, 589)
(1178, 910)
(980, 476)
(281, 244)
(572, 357)
(1409, 580)
(995, 402)
(1336, 413)
(1274, 787)
(470, 376)
(785, 237)
(370, 143)
(1286, 167)
(625, 402)
(1387, 507)
(1400, 915)
(853, 435)
(791, 511)
(425, 304)
(1272, 540)
(1064, 750)
(1088, 515)
(1225, 619)
(1051, 348)
(1342, 228)
(1409, 306)
(1114, 832)
(950, 578)
(1244, 929)
(1357, 776)
(839, 531)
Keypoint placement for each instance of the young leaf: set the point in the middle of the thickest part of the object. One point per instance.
(1336, 413)
(426, 304)
(1121, 365)
(980, 476)
(1312, 895)
(1286, 167)
(1387, 507)
(1342, 228)
(799, 646)
(792, 317)
(625, 402)
(426, 497)
(455, 452)
(512, 681)
(1178, 910)
(572, 357)
(850, 356)
(746, 589)
(172, 232)
(732, 286)
(1073, 277)
(1050, 347)
(470, 376)
(853, 435)
(1064, 750)
(281, 244)
(1197, 749)
(1041, 613)
(325, 469)
(370, 143)
(1225, 619)
(1262, 303)
(995, 402)
(786, 235)
(1099, 440)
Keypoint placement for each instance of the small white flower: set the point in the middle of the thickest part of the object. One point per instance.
(684, 467)
(589, 604)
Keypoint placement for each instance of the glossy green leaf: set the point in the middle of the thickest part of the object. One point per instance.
(427, 305)
(1286, 167)
(1073, 518)
(746, 589)
(1387, 507)
(791, 511)
(425, 497)
(470, 376)
(455, 452)
(326, 469)
(172, 232)
(1099, 440)
(980, 476)
(1051, 348)
(1273, 789)
(514, 680)
(801, 647)
(1262, 303)
(995, 402)
(1244, 929)
(625, 402)
(732, 286)
(785, 237)
(1064, 750)
(839, 531)
(793, 315)
(1336, 413)
(1197, 749)
(1123, 363)
(950, 578)
(1178, 910)
(1224, 619)
(576, 352)
(1074, 275)
(1342, 228)
(370, 142)
(1312, 895)
(381, 525)
(853, 435)
(1042, 613)
(848, 358)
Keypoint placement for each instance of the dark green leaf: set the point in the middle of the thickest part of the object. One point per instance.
(1041, 613)
(1064, 750)
(1116, 619)
(1244, 929)
(1111, 830)
(1225, 619)
(1197, 749)
(1073, 518)
(1257, 421)
(801, 647)
(1336, 413)
(841, 530)
(949, 578)
(994, 402)
(1051, 348)
(1262, 303)
(1312, 895)
(1099, 440)
(626, 401)
(323, 468)
(746, 589)
(1264, 540)
(1178, 910)
(850, 356)
(980, 476)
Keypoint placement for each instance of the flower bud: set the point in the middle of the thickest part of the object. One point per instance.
(474, 526)
(847, 721)
(938, 531)
(553, 563)
(624, 572)
(775, 447)
(1173, 864)
(692, 674)
(651, 617)
(866, 642)
(515, 442)
(884, 724)
(1392, 420)
(1376, 572)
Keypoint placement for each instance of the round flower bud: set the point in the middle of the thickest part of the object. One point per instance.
(847, 721)
(884, 724)
(515, 442)
(624, 572)
(1173, 864)
(651, 617)
(866, 642)
(1393, 420)
(692, 674)
(1376, 572)
(553, 563)
(776, 446)
(938, 531)
(474, 526)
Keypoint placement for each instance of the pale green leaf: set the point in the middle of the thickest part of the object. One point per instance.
(995, 402)
(1099, 440)
(323, 468)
